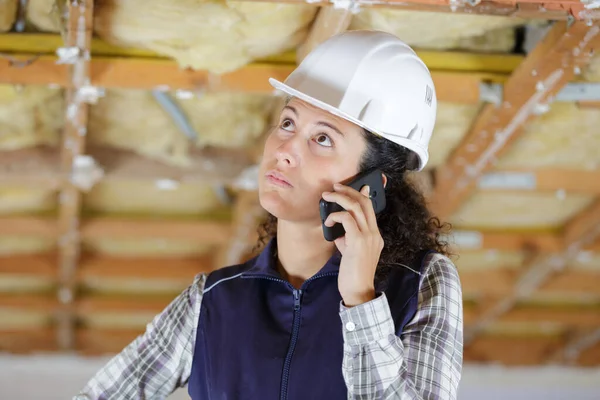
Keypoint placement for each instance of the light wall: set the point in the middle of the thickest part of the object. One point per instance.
(60, 377)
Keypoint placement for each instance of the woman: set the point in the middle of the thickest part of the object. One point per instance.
(375, 314)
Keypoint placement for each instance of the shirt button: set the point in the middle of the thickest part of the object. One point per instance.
(350, 326)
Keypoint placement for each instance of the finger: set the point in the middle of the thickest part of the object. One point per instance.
(350, 205)
(365, 201)
(347, 221)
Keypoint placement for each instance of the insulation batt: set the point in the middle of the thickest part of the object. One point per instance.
(219, 36)
(12, 245)
(30, 116)
(220, 119)
(567, 136)
(150, 247)
(8, 14)
(430, 30)
(26, 200)
(144, 197)
(452, 124)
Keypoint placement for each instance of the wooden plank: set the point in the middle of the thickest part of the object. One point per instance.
(28, 341)
(543, 179)
(78, 37)
(541, 75)
(571, 317)
(142, 268)
(120, 304)
(511, 350)
(38, 302)
(329, 22)
(495, 282)
(205, 232)
(140, 73)
(577, 282)
(458, 61)
(41, 266)
(28, 226)
(94, 342)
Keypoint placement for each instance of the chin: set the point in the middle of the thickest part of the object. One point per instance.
(285, 209)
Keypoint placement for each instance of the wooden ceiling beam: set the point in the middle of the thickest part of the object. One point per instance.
(512, 350)
(78, 41)
(140, 73)
(142, 268)
(450, 61)
(41, 265)
(200, 231)
(542, 74)
(28, 341)
(549, 179)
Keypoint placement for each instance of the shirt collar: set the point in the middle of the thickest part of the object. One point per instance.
(265, 264)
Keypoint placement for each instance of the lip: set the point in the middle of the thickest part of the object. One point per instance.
(278, 179)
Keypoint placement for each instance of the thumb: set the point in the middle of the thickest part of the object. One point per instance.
(365, 190)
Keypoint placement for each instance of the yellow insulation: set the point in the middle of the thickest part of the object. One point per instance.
(8, 14)
(146, 197)
(133, 120)
(567, 136)
(26, 200)
(218, 36)
(30, 116)
(431, 30)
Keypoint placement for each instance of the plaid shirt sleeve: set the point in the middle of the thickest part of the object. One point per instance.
(425, 362)
(157, 362)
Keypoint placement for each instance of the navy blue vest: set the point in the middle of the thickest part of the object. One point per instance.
(260, 338)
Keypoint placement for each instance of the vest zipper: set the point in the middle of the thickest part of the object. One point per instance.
(295, 327)
(290, 353)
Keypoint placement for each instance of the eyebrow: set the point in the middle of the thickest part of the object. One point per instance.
(328, 125)
(321, 123)
(292, 109)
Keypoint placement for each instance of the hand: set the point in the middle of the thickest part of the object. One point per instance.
(360, 247)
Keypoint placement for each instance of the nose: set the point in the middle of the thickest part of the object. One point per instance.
(287, 154)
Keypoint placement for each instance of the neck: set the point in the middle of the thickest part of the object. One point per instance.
(302, 250)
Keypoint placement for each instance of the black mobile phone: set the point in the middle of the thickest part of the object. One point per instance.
(374, 180)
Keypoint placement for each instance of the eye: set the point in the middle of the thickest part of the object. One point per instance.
(287, 124)
(323, 140)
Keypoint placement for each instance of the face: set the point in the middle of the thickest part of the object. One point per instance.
(305, 154)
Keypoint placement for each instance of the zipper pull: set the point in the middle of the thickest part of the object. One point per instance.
(297, 295)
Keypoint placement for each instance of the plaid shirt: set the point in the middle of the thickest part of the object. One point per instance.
(424, 363)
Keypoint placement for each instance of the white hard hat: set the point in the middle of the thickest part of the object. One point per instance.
(374, 80)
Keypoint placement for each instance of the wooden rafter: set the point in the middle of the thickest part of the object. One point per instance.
(543, 73)
(77, 45)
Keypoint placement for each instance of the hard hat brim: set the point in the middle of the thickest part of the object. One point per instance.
(421, 152)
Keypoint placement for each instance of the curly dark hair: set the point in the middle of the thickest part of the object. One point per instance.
(406, 225)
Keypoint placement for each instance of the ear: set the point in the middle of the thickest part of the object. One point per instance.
(384, 180)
